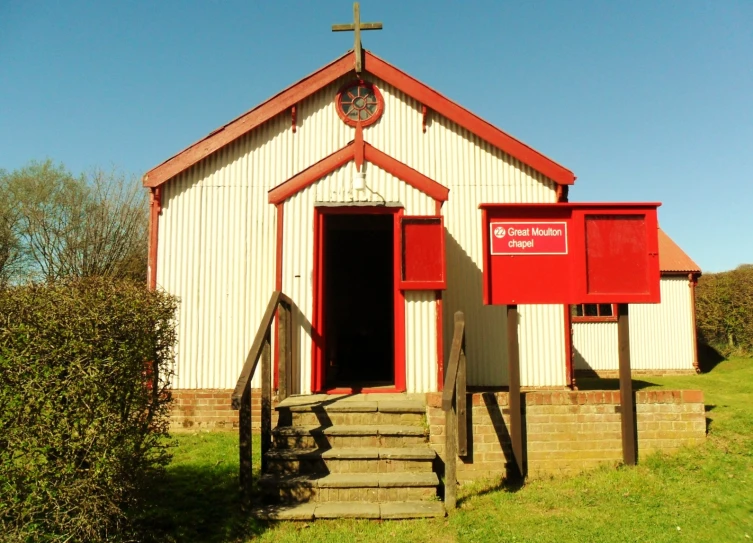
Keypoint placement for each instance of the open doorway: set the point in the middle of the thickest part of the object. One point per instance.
(358, 301)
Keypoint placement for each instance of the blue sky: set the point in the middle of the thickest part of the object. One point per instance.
(643, 100)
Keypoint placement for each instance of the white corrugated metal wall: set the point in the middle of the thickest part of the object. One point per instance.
(224, 273)
(298, 252)
(661, 335)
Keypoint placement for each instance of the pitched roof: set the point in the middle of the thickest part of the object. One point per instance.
(326, 75)
(672, 259)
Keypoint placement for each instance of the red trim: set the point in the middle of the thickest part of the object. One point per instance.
(402, 171)
(569, 346)
(440, 322)
(371, 120)
(155, 208)
(278, 284)
(292, 118)
(598, 318)
(311, 175)
(485, 251)
(330, 73)
(318, 333)
(371, 154)
(248, 121)
(458, 114)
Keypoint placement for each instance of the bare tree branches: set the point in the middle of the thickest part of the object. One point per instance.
(66, 226)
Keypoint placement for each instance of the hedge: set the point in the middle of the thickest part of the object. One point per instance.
(84, 373)
(724, 310)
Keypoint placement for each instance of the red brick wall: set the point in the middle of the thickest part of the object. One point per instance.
(209, 409)
(568, 432)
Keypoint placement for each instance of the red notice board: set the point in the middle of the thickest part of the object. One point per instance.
(570, 253)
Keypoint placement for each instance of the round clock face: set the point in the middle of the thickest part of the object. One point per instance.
(359, 103)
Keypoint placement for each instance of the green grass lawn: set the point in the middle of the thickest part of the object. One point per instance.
(701, 494)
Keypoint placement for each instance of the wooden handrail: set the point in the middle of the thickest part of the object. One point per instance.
(454, 406)
(261, 348)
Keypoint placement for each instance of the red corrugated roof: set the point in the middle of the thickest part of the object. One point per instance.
(672, 259)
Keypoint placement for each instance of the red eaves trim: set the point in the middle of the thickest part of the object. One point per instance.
(370, 154)
(294, 94)
(311, 175)
(458, 114)
(248, 121)
(155, 208)
(402, 171)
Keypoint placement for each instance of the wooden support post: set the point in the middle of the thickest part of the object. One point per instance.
(450, 457)
(266, 398)
(627, 403)
(513, 375)
(244, 434)
(460, 401)
(283, 369)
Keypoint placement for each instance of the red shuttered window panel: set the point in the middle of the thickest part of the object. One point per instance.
(422, 266)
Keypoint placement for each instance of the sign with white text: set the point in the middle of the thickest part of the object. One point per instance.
(528, 238)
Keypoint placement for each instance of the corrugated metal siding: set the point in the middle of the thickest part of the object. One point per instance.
(595, 346)
(217, 232)
(217, 235)
(420, 341)
(298, 248)
(661, 335)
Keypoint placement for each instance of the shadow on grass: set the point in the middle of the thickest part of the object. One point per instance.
(504, 484)
(198, 504)
(708, 357)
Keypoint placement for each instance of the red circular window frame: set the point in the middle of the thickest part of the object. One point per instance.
(355, 122)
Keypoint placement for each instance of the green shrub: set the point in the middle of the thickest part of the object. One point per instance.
(724, 310)
(83, 415)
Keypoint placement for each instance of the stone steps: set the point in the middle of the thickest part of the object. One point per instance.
(349, 460)
(334, 510)
(359, 456)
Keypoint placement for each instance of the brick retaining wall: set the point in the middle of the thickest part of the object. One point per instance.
(567, 432)
(210, 409)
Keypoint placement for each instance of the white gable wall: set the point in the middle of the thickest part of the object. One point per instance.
(662, 337)
(217, 237)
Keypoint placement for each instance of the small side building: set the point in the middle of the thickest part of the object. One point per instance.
(662, 336)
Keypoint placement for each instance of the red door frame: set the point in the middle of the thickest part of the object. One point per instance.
(317, 321)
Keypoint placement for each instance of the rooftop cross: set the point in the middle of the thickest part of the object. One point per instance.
(357, 26)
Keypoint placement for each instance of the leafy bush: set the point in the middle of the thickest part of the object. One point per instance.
(84, 371)
(724, 310)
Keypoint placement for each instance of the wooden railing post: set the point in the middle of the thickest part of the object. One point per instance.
(460, 402)
(283, 337)
(450, 455)
(244, 432)
(266, 397)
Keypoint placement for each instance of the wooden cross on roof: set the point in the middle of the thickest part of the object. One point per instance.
(357, 26)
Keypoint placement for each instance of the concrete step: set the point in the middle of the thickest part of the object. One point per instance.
(327, 411)
(329, 510)
(354, 487)
(349, 460)
(358, 436)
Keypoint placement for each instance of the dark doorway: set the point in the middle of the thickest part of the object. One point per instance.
(359, 301)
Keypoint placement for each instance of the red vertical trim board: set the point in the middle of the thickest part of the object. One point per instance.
(484, 252)
(317, 348)
(155, 208)
(278, 284)
(399, 306)
(440, 317)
